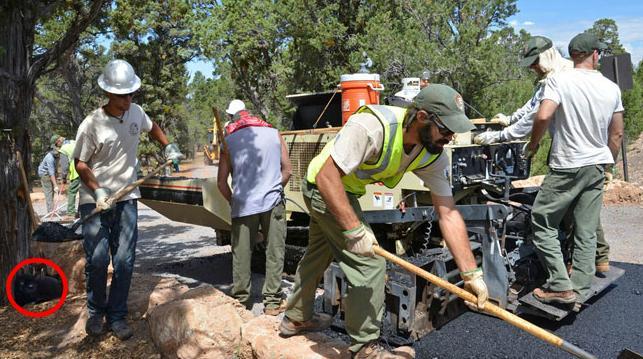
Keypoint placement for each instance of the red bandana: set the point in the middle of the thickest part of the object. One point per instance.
(245, 120)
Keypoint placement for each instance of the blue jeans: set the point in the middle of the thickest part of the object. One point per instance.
(113, 232)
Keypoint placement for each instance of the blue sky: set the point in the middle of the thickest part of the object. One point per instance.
(559, 21)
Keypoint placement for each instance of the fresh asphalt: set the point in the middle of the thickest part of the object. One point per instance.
(609, 323)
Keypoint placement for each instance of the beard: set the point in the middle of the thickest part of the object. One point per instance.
(432, 145)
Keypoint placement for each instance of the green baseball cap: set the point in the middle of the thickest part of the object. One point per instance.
(53, 140)
(586, 42)
(447, 104)
(535, 46)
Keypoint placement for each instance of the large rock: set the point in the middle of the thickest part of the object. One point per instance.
(202, 323)
(263, 335)
(147, 292)
(70, 256)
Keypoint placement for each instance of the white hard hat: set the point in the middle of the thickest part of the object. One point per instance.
(235, 106)
(119, 78)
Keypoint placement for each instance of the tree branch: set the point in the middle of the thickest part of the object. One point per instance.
(80, 23)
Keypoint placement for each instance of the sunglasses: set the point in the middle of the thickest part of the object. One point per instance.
(442, 128)
(131, 94)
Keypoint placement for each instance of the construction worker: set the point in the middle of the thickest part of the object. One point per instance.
(257, 159)
(47, 174)
(377, 144)
(545, 60)
(66, 148)
(585, 112)
(425, 79)
(105, 158)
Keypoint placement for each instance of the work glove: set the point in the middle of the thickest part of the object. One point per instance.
(360, 240)
(487, 138)
(172, 152)
(502, 119)
(103, 200)
(474, 283)
(56, 189)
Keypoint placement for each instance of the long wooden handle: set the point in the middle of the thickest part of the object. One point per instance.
(489, 308)
(126, 190)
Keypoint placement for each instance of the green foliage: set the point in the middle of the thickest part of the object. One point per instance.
(607, 31)
(633, 104)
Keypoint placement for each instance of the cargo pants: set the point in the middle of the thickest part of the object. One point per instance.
(48, 190)
(579, 190)
(72, 190)
(244, 233)
(364, 300)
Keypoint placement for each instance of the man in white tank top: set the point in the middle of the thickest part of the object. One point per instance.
(584, 112)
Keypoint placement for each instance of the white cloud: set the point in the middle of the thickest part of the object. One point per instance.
(513, 23)
(528, 23)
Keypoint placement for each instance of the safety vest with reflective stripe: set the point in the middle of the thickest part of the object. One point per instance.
(387, 168)
(67, 149)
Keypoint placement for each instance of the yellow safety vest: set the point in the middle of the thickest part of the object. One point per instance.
(68, 150)
(387, 168)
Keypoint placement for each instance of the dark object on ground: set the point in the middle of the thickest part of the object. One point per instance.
(36, 289)
(628, 354)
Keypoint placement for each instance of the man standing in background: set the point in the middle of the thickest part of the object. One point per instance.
(47, 174)
(257, 159)
(585, 113)
(68, 173)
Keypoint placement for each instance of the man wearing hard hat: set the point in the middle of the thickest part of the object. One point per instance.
(257, 159)
(105, 158)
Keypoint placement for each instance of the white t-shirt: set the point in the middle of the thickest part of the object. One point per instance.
(361, 140)
(587, 100)
(109, 147)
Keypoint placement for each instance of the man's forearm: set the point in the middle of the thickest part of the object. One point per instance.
(331, 188)
(86, 175)
(615, 133)
(157, 134)
(455, 235)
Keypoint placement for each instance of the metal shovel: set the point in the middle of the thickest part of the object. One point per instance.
(56, 232)
(489, 308)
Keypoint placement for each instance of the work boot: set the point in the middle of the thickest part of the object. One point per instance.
(550, 296)
(374, 350)
(318, 322)
(121, 330)
(95, 326)
(602, 267)
(275, 310)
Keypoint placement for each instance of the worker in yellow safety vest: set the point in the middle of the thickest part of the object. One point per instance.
(377, 144)
(66, 148)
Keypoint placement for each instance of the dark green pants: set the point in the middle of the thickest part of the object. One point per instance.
(72, 190)
(364, 301)
(244, 234)
(579, 190)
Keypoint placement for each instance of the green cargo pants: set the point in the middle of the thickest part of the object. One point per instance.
(579, 190)
(364, 300)
(72, 190)
(244, 233)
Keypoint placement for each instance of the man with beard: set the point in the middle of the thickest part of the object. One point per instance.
(377, 144)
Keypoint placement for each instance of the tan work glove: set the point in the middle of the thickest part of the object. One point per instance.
(360, 240)
(103, 199)
(474, 283)
(487, 138)
(502, 119)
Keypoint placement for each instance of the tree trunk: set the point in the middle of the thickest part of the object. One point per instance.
(16, 93)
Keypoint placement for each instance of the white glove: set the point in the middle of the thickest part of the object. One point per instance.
(56, 189)
(360, 240)
(474, 283)
(487, 138)
(103, 201)
(172, 152)
(502, 119)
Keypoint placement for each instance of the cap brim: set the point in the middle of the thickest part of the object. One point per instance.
(458, 123)
(527, 61)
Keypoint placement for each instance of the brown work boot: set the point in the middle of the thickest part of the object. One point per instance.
(318, 322)
(275, 310)
(374, 350)
(550, 296)
(602, 267)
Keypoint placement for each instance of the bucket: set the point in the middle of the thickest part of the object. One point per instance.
(359, 90)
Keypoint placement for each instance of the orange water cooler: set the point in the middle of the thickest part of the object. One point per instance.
(358, 90)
